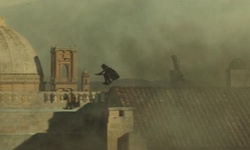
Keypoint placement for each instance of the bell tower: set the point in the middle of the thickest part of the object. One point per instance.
(63, 68)
(85, 83)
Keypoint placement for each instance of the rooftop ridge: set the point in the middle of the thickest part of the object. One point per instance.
(172, 88)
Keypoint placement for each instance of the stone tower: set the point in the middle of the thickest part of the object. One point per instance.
(85, 83)
(63, 68)
(237, 74)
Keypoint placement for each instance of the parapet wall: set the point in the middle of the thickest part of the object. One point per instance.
(24, 121)
(43, 100)
(29, 112)
(18, 127)
(28, 116)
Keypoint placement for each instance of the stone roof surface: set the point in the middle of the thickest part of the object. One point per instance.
(17, 55)
(188, 118)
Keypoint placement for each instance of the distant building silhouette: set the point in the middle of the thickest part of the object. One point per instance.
(238, 74)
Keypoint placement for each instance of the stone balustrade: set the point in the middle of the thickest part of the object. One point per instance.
(53, 97)
(85, 97)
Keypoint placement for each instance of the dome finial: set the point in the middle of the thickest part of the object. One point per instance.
(2, 21)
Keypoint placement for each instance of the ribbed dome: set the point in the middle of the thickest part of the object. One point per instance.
(16, 53)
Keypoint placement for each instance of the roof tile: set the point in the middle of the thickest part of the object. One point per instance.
(189, 117)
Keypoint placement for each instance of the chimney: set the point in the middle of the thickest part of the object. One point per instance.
(120, 122)
(176, 77)
(237, 74)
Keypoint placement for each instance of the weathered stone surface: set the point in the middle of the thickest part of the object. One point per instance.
(50, 127)
(119, 123)
(64, 68)
(20, 68)
(11, 141)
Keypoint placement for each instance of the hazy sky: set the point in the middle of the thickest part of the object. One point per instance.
(137, 37)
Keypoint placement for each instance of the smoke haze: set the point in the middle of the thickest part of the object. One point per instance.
(138, 37)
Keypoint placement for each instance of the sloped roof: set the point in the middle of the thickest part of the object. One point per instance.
(188, 118)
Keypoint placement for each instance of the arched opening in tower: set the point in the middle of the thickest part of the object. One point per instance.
(65, 72)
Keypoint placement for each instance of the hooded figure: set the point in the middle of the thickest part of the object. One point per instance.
(109, 74)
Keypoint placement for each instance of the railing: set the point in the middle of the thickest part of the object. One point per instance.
(29, 98)
(60, 96)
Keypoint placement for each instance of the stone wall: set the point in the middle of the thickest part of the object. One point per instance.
(11, 141)
(35, 128)
(35, 119)
(24, 121)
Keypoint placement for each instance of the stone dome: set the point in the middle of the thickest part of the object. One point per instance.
(17, 55)
(20, 68)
